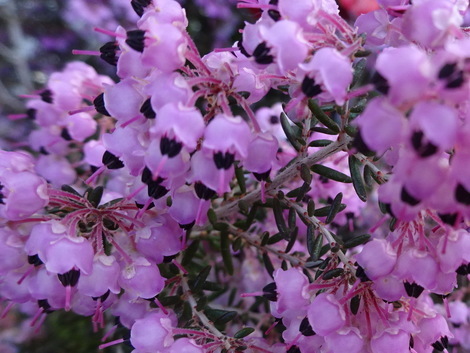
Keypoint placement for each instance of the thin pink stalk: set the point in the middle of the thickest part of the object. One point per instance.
(112, 343)
(86, 52)
(108, 32)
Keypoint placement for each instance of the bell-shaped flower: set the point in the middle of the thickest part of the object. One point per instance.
(228, 134)
(104, 277)
(417, 266)
(176, 121)
(80, 126)
(408, 72)
(165, 46)
(332, 72)
(287, 43)
(262, 152)
(377, 258)
(325, 314)
(390, 340)
(159, 239)
(381, 125)
(141, 279)
(123, 100)
(292, 300)
(68, 253)
(21, 194)
(430, 23)
(153, 333)
(56, 169)
(167, 87)
(347, 339)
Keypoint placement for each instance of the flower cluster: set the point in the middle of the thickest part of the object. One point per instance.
(222, 203)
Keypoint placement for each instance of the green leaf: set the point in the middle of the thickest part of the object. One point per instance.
(94, 195)
(190, 252)
(330, 173)
(70, 190)
(336, 272)
(317, 247)
(244, 206)
(354, 304)
(237, 244)
(275, 238)
(292, 217)
(356, 176)
(305, 173)
(110, 203)
(368, 180)
(264, 238)
(218, 316)
(226, 254)
(268, 264)
(310, 207)
(279, 217)
(293, 238)
(324, 130)
(292, 132)
(360, 71)
(303, 191)
(200, 279)
(240, 179)
(211, 216)
(356, 241)
(221, 226)
(322, 117)
(320, 143)
(324, 211)
(310, 238)
(244, 332)
(335, 208)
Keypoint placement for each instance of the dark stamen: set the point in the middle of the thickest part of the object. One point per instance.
(223, 160)
(170, 147)
(135, 39)
(147, 110)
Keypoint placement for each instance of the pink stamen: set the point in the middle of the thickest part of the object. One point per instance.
(446, 305)
(254, 294)
(82, 110)
(130, 121)
(135, 192)
(36, 316)
(360, 91)
(263, 191)
(109, 33)
(29, 96)
(221, 50)
(86, 52)
(220, 187)
(270, 328)
(40, 322)
(68, 298)
(109, 333)
(181, 268)
(159, 304)
(199, 211)
(26, 274)
(256, 6)
(160, 166)
(95, 175)
(378, 224)
(6, 310)
(17, 116)
(109, 344)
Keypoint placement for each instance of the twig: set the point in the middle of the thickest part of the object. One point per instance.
(321, 227)
(202, 317)
(286, 175)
